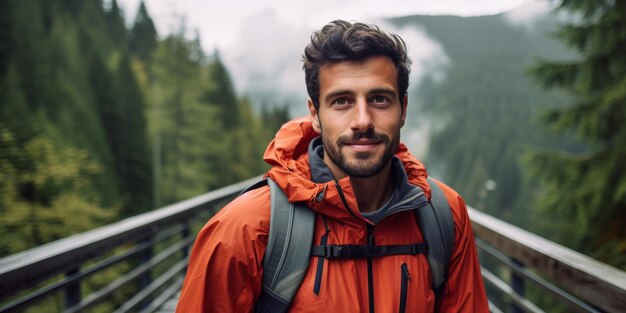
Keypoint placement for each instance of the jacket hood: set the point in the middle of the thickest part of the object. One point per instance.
(288, 155)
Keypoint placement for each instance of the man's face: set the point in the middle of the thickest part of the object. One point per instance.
(359, 116)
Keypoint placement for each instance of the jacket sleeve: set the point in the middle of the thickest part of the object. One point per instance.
(225, 266)
(464, 290)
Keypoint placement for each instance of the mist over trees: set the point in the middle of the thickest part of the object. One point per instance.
(485, 109)
(549, 160)
(102, 118)
(587, 188)
(100, 122)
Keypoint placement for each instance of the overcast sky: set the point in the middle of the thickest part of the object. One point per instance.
(221, 22)
(261, 41)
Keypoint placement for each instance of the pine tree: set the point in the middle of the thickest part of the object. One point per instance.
(184, 129)
(127, 135)
(115, 25)
(143, 38)
(222, 94)
(28, 51)
(588, 189)
(5, 35)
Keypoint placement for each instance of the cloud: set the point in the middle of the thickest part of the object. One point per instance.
(429, 57)
(526, 14)
(265, 59)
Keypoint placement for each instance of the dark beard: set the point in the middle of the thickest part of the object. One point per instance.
(367, 167)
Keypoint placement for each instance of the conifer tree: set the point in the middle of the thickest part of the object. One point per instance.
(115, 24)
(184, 128)
(143, 37)
(5, 35)
(222, 94)
(129, 140)
(588, 189)
(28, 51)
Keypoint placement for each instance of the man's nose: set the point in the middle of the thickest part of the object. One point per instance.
(362, 116)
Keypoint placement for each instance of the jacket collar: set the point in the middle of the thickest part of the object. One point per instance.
(297, 167)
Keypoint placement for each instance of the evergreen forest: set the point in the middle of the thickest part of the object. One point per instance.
(528, 124)
(102, 118)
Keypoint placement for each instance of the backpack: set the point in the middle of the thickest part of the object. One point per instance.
(290, 244)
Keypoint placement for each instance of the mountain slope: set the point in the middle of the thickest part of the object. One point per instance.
(484, 113)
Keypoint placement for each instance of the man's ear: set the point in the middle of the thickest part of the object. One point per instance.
(314, 117)
(405, 101)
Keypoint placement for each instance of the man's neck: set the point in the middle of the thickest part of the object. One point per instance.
(372, 192)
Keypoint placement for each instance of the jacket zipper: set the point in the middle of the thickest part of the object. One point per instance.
(370, 242)
(370, 272)
(343, 200)
(404, 286)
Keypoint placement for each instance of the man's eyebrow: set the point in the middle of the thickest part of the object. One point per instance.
(388, 91)
(341, 92)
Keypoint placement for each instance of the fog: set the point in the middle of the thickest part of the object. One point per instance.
(266, 61)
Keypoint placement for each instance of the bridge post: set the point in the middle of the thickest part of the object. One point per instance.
(517, 283)
(72, 291)
(146, 278)
(186, 233)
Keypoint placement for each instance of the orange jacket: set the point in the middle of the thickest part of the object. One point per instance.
(225, 269)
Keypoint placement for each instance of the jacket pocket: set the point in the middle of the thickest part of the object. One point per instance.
(404, 286)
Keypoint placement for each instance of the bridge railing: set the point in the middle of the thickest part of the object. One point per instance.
(136, 263)
(521, 261)
(139, 263)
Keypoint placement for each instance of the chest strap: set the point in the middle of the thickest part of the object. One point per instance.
(365, 252)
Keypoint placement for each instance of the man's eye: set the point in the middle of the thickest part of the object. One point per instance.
(379, 100)
(340, 101)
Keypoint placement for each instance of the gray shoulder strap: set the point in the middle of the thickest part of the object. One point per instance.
(288, 251)
(437, 226)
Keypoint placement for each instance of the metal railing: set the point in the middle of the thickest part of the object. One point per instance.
(148, 255)
(525, 261)
(153, 249)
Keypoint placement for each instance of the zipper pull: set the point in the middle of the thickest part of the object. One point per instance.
(405, 270)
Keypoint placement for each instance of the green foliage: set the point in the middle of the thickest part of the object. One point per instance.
(204, 137)
(490, 122)
(184, 131)
(483, 110)
(222, 94)
(143, 37)
(123, 118)
(115, 25)
(588, 189)
(45, 193)
(99, 123)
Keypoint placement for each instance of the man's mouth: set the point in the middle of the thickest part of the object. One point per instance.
(362, 145)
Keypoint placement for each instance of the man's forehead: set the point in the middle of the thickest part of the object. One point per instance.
(379, 70)
(358, 62)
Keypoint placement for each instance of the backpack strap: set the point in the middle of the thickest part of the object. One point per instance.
(437, 225)
(290, 241)
(365, 252)
(288, 250)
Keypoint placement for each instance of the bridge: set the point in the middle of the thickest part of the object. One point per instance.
(138, 265)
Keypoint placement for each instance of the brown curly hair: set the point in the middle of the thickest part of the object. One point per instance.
(340, 41)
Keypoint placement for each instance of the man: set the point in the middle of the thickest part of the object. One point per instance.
(347, 163)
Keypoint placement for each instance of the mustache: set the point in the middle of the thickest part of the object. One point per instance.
(369, 135)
